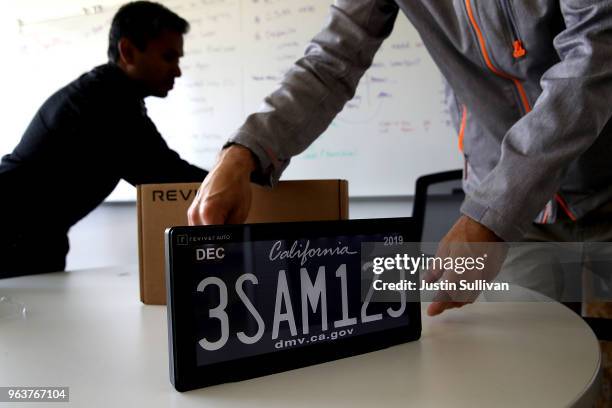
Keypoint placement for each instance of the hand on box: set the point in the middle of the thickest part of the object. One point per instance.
(225, 194)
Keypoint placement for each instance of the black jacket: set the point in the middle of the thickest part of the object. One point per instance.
(81, 142)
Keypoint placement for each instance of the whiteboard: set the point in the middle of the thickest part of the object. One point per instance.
(395, 129)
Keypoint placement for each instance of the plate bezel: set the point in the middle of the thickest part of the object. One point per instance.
(186, 375)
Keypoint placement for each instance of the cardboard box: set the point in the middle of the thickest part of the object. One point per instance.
(165, 205)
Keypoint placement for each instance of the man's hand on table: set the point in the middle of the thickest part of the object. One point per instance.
(467, 238)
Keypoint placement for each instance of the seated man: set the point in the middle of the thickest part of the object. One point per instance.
(89, 135)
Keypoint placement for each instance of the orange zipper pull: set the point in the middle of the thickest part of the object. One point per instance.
(519, 51)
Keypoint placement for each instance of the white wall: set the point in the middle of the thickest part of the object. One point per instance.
(106, 237)
(16, 83)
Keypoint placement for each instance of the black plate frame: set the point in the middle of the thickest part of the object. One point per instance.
(185, 375)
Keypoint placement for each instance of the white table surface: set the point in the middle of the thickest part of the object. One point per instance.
(88, 330)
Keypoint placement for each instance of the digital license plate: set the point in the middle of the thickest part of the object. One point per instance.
(251, 300)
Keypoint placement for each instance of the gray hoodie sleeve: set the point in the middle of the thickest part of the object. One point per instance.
(316, 88)
(566, 119)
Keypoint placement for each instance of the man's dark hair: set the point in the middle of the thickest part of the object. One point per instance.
(141, 22)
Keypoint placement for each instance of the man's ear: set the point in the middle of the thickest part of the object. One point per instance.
(126, 51)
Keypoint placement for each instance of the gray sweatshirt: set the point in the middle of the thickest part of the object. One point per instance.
(531, 85)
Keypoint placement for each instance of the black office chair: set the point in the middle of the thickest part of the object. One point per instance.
(437, 200)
